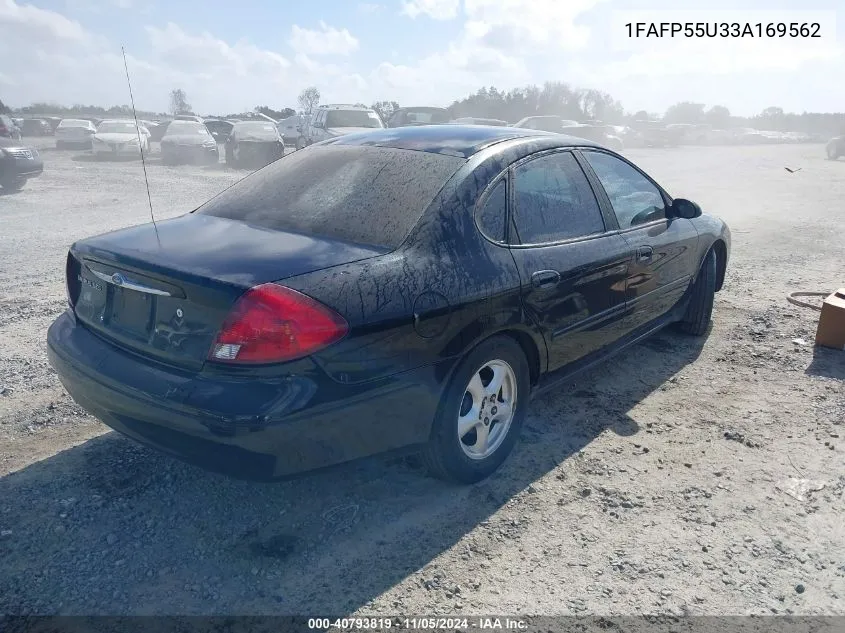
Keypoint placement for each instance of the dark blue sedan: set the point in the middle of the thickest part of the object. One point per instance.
(399, 289)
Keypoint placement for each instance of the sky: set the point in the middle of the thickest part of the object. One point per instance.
(232, 56)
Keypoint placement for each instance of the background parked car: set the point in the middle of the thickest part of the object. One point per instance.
(18, 163)
(219, 128)
(120, 138)
(688, 133)
(254, 144)
(330, 121)
(469, 120)
(36, 127)
(654, 133)
(292, 128)
(75, 133)
(549, 123)
(8, 128)
(420, 115)
(53, 121)
(629, 136)
(188, 117)
(597, 133)
(188, 142)
(835, 147)
(158, 131)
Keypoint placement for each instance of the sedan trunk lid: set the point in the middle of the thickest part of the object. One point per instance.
(164, 290)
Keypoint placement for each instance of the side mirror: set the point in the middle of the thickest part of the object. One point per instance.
(683, 208)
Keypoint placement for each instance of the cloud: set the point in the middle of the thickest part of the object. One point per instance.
(326, 41)
(210, 56)
(435, 9)
(530, 26)
(494, 46)
(25, 22)
(504, 43)
(369, 7)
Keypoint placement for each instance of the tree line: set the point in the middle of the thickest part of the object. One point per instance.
(553, 98)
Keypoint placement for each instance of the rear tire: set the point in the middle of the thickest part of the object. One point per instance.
(697, 317)
(490, 435)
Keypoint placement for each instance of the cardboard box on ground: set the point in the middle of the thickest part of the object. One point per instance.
(831, 330)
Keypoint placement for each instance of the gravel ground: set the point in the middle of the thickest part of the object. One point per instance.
(686, 477)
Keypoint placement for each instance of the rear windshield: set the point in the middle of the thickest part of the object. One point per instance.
(260, 130)
(352, 118)
(73, 123)
(186, 127)
(116, 127)
(427, 116)
(365, 195)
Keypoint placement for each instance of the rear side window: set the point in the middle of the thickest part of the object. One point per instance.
(491, 217)
(365, 195)
(553, 201)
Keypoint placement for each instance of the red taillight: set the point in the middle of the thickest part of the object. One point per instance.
(273, 324)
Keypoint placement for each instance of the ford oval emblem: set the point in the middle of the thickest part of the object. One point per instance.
(117, 279)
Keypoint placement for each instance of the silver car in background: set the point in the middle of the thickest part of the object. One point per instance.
(75, 133)
(120, 139)
(330, 121)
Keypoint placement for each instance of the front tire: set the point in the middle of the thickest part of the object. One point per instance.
(12, 184)
(697, 317)
(480, 417)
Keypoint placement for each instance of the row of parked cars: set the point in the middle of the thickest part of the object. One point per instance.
(258, 140)
(333, 120)
(338, 119)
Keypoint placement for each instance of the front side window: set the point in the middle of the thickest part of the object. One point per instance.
(634, 197)
(553, 201)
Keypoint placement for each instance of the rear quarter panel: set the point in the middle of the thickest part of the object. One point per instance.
(443, 291)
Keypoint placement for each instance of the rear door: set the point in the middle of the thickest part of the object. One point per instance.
(664, 248)
(572, 270)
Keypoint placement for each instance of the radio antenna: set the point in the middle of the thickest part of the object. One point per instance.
(140, 145)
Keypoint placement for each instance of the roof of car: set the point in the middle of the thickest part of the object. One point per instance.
(452, 140)
(421, 109)
(343, 106)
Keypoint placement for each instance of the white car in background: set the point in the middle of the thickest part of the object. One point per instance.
(120, 138)
(74, 133)
(330, 121)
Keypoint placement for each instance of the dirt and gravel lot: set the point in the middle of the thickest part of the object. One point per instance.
(686, 477)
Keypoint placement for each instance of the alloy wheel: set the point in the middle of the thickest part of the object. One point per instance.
(487, 409)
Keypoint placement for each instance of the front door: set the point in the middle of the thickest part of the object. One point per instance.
(664, 248)
(572, 272)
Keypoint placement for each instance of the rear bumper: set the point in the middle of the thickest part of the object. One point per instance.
(122, 151)
(189, 154)
(251, 426)
(74, 142)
